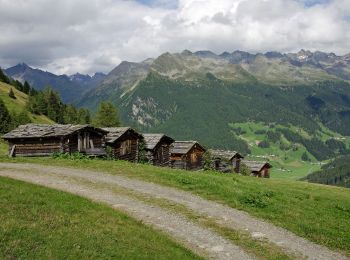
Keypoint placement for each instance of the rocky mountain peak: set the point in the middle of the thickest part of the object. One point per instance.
(303, 55)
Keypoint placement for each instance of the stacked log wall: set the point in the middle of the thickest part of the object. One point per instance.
(134, 153)
(161, 155)
(200, 159)
(38, 147)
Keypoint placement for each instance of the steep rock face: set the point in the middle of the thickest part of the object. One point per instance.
(69, 87)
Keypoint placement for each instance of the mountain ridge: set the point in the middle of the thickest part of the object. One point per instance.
(70, 87)
(204, 96)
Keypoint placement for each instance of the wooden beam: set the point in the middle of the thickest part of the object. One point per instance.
(79, 142)
(12, 150)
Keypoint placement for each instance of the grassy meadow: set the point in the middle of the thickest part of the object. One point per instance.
(3, 148)
(317, 212)
(41, 223)
(18, 105)
(287, 164)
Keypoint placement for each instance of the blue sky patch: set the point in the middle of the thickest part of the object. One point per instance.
(160, 3)
(309, 3)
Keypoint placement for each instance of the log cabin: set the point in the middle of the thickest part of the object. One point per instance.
(44, 140)
(124, 143)
(187, 155)
(157, 149)
(225, 161)
(258, 169)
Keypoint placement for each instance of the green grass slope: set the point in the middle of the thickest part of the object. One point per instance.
(40, 223)
(284, 155)
(317, 212)
(19, 104)
(3, 147)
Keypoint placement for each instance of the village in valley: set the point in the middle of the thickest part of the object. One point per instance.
(125, 143)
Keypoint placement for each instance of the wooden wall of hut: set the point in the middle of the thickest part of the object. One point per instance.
(263, 173)
(226, 166)
(192, 160)
(160, 155)
(34, 147)
(79, 142)
(126, 148)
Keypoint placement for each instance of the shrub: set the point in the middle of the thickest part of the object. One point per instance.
(244, 170)
(260, 132)
(264, 144)
(273, 137)
(305, 157)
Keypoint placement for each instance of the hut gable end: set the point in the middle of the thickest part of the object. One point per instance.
(183, 147)
(258, 169)
(225, 161)
(187, 155)
(154, 140)
(157, 148)
(124, 142)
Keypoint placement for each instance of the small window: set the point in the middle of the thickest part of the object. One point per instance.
(125, 147)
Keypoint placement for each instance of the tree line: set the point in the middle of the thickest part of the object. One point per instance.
(337, 173)
(49, 103)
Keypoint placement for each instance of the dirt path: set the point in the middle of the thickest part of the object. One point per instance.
(223, 215)
(198, 239)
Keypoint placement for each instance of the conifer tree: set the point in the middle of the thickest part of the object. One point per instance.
(84, 116)
(12, 94)
(107, 115)
(26, 87)
(5, 118)
(3, 77)
(18, 85)
(305, 157)
(70, 115)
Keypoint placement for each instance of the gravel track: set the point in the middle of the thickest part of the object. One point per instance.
(223, 215)
(198, 239)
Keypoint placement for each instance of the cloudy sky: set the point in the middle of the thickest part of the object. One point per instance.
(86, 36)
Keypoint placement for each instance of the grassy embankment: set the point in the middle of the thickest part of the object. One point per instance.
(317, 212)
(287, 163)
(19, 104)
(40, 223)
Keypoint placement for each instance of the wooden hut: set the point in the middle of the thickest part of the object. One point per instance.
(225, 161)
(258, 169)
(44, 140)
(187, 155)
(124, 142)
(157, 148)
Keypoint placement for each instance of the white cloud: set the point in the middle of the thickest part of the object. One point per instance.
(95, 35)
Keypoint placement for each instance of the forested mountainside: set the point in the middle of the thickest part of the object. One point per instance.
(22, 104)
(335, 173)
(69, 87)
(13, 109)
(202, 95)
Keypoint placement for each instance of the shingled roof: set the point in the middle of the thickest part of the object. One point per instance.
(114, 133)
(45, 130)
(256, 166)
(183, 147)
(152, 140)
(226, 155)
